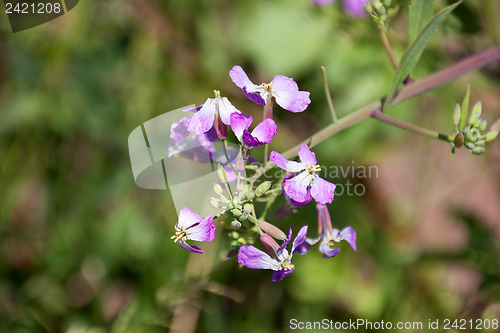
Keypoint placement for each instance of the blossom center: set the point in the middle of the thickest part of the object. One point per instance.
(287, 266)
(179, 235)
(217, 93)
(313, 168)
(268, 86)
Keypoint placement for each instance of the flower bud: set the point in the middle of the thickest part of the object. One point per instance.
(459, 140)
(235, 235)
(456, 115)
(272, 230)
(478, 150)
(217, 189)
(236, 212)
(270, 245)
(242, 241)
(490, 136)
(250, 195)
(248, 208)
(263, 188)
(222, 174)
(480, 143)
(476, 112)
(496, 126)
(236, 224)
(214, 203)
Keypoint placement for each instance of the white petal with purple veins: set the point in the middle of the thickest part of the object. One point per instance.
(306, 155)
(349, 235)
(240, 78)
(251, 257)
(203, 120)
(287, 94)
(296, 187)
(239, 123)
(283, 163)
(322, 191)
(265, 131)
(226, 109)
(187, 218)
(203, 232)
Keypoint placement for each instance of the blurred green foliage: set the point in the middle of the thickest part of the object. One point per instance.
(83, 249)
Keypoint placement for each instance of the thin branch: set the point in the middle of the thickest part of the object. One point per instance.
(388, 48)
(328, 96)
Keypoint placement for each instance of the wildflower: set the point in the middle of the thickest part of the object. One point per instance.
(278, 259)
(263, 133)
(197, 147)
(282, 88)
(354, 8)
(191, 226)
(329, 236)
(215, 111)
(304, 184)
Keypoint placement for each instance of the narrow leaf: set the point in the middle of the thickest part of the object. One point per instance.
(419, 13)
(465, 109)
(412, 55)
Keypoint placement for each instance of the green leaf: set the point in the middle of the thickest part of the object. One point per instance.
(412, 55)
(419, 13)
(465, 109)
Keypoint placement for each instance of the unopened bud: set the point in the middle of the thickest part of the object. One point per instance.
(250, 195)
(478, 150)
(269, 244)
(482, 124)
(272, 230)
(476, 112)
(248, 208)
(496, 126)
(480, 143)
(217, 189)
(222, 174)
(456, 114)
(459, 140)
(242, 241)
(490, 136)
(263, 188)
(236, 212)
(235, 235)
(236, 224)
(214, 203)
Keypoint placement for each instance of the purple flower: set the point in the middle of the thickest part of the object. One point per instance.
(282, 88)
(278, 259)
(263, 133)
(191, 226)
(212, 112)
(323, 3)
(304, 184)
(355, 8)
(328, 235)
(198, 147)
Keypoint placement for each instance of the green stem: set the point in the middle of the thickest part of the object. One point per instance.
(268, 113)
(328, 95)
(388, 48)
(412, 89)
(224, 148)
(378, 114)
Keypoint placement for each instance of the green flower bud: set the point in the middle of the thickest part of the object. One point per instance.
(250, 195)
(482, 124)
(235, 235)
(456, 115)
(480, 143)
(214, 203)
(478, 150)
(236, 224)
(490, 136)
(242, 241)
(459, 140)
(263, 188)
(248, 208)
(236, 212)
(217, 189)
(470, 146)
(476, 113)
(222, 174)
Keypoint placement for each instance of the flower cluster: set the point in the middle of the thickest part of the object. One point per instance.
(194, 136)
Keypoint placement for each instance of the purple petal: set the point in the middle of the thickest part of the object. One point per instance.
(327, 251)
(279, 275)
(287, 94)
(296, 187)
(312, 241)
(250, 141)
(226, 109)
(301, 237)
(285, 242)
(265, 131)
(179, 130)
(322, 3)
(192, 109)
(355, 8)
(187, 218)
(283, 163)
(251, 257)
(203, 232)
(203, 120)
(322, 191)
(190, 248)
(254, 96)
(349, 235)
(306, 155)
(239, 123)
(302, 249)
(240, 78)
